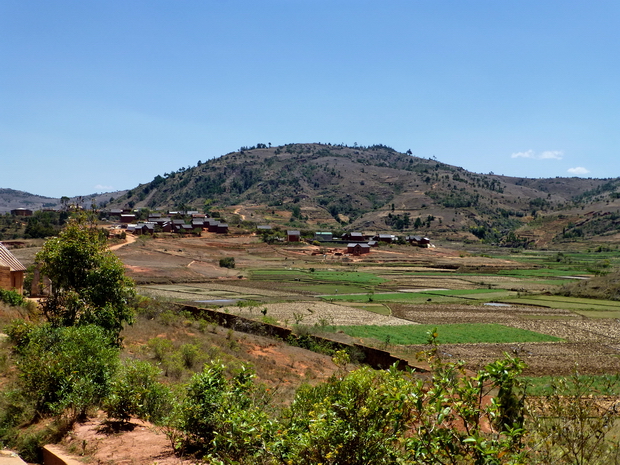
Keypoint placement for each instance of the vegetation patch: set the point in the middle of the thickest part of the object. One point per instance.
(449, 334)
(608, 385)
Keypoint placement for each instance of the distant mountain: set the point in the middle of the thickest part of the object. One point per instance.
(378, 188)
(11, 199)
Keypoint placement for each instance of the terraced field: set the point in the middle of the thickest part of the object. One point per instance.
(400, 287)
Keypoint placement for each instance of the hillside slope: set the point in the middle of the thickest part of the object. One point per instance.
(377, 188)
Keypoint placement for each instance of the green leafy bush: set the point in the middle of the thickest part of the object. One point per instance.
(135, 391)
(225, 417)
(13, 298)
(66, 368)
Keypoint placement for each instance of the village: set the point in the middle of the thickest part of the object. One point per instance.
(123, 222)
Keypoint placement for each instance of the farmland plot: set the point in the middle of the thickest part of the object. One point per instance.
(313, 313)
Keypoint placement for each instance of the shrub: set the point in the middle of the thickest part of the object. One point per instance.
(66, 368)
(575, 423)
(223, 416)
(227, 262)
(13, 298)
(136, 392)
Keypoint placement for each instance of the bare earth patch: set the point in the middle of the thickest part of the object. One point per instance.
(138, 443)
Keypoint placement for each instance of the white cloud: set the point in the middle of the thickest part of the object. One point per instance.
(546, 155)
(552, 154)
(528, 154)
(101, 188)
(579, 170)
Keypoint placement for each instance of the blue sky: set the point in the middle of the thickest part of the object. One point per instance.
(103, 95)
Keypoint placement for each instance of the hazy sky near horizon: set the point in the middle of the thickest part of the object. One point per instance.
(98, 96)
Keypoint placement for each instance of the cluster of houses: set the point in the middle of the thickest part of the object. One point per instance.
(359, 243)
(156, 222)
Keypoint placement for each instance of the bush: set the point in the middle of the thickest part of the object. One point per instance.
(224, 417)
(136, 392)
(227, 262)
(13, 298)
(66, 368)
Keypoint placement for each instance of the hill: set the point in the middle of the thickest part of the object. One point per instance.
(11, 199)
(378, 188)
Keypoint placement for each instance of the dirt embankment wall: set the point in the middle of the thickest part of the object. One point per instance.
(375, 358)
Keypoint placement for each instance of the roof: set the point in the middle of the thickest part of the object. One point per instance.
(354, 244)
(8, 259)
(293, 233)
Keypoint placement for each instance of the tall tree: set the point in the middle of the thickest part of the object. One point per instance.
(89, 285)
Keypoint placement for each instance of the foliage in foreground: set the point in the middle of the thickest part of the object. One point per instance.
(12, 298)
(64, 369)
(448, 416)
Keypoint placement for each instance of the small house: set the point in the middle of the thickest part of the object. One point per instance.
(323, 236)
(198, 223)
(388, 238)
(144, 228)
(128, 218)
(11, 271)
(354, 236)
(222, 228)
(419, 241)
(293, 236)
(356, 248)
(21, 212)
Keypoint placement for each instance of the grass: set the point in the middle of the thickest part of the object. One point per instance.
(601, 384)
(448, 334)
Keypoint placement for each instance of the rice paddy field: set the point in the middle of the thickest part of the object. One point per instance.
(482, 304)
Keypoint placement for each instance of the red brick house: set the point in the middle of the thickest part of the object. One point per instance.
(293, 236)
(355, 248)
(11, 271)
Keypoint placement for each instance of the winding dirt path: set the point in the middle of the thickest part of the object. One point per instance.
(129, 239)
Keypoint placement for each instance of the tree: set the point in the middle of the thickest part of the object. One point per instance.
(89, 285)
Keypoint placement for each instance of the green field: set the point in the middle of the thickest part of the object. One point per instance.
(603, 384)
(321, 288)
(448, 334)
